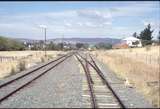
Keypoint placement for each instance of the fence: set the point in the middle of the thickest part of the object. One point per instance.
(11, 58)
(142, 57)
(149, 56)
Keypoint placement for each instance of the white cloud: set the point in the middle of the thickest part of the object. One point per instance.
(145, 23)
(134, 9)
(94, 14)
(89, 24)
(95, 17)
(80, 23)
(107, 23)
(97, 21)
(67, 24)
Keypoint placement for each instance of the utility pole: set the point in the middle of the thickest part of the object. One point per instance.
(45, 42)
(45, 30)
(62, 41)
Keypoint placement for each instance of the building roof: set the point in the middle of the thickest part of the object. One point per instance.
(131, 38)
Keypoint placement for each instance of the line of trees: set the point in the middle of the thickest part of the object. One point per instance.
(50, 46)
(10, 44)
(100, 45)
(103, 46)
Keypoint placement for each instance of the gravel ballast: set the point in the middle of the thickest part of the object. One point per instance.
(59, 88)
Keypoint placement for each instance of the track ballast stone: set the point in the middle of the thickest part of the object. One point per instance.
(59, 88)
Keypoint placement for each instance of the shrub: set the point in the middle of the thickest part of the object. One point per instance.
(13, 71)
(49, 57)
(148, 48)
(102, 45)
(42, 59)
(22, 65)
(130, 49)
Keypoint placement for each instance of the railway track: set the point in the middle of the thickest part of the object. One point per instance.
(97, 92)
(9, 88)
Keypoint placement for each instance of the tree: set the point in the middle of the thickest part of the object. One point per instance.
(158, 37)
(146, 35)
(51, 46)
(102, 45)
(10, 44)
(59, 46)
(85, 45)
(135, 35)
(79, 45)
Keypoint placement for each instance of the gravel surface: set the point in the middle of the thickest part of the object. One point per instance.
(60, 87)
(15, 85)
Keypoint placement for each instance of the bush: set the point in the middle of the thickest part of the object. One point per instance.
(42, 59)
(22, 65)
(146, 42)
(49, 57)
(148, 48)
(130, 49)
(13, 71)
(103, 46)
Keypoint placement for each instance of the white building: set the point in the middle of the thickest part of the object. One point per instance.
(132, 42)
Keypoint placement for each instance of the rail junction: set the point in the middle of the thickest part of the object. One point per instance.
(72, 80)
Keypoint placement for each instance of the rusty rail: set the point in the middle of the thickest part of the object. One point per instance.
(26, 84)
(96, 68)
(91, 90)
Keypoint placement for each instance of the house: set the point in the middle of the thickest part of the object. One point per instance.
(120, 45)
(91, 47)
(132, 42)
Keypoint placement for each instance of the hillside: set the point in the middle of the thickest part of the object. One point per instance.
(75, 40)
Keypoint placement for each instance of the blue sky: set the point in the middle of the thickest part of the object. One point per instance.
(78, 19)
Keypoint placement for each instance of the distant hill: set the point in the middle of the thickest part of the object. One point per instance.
(10, 44)
(26, 40)
(75, 40)
(88, 40)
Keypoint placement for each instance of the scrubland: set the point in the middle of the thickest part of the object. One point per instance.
(141, 66)
(22, 60)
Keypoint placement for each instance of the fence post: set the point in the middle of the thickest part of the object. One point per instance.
(150, 59)
(146, 59)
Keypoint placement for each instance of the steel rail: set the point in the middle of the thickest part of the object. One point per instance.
(26, 84)
(96, 68)
(107, 83)
(13, 80)
(91, 82)
(91, 90)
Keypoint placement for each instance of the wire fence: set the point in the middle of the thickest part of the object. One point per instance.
(149, 54)
(15, 58)
(11, 58)
(151, 59)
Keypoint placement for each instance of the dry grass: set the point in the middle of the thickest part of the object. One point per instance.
(32, 58)
(6, 68)
(144, 76)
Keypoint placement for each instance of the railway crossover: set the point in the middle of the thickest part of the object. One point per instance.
(97, 87)
(97, 90)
